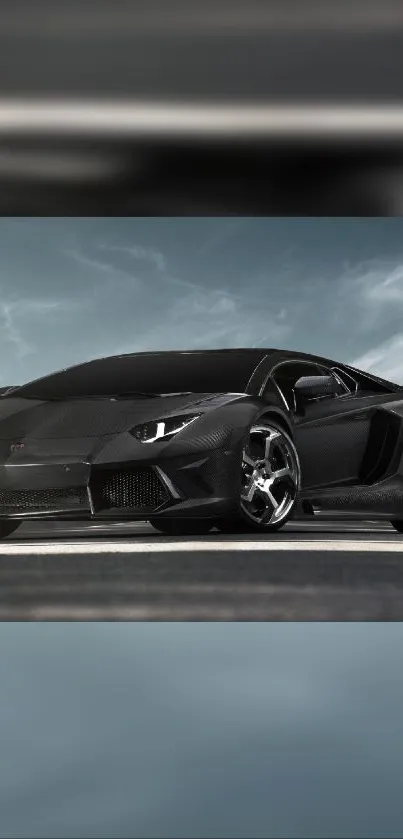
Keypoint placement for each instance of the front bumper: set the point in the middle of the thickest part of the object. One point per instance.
(187, 486)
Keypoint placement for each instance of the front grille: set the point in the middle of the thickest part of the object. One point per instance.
(42, 500)
(136, 489)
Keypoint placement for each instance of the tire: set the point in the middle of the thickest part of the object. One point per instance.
(182, 527)
(7, 528)
(398, 525)
(270, 482)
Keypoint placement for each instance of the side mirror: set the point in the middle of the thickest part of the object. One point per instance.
(313, 387)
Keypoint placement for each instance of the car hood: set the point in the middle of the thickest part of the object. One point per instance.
(24, 419)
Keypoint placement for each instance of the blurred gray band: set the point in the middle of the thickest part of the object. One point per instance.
(184, 17)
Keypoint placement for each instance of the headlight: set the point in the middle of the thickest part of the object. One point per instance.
(163, 429)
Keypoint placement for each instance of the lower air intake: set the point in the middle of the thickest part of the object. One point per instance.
(127, 490)
(42, 500)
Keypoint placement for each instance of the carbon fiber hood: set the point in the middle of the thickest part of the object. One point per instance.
(23, 420)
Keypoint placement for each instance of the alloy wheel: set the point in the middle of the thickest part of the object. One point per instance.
(270, 476)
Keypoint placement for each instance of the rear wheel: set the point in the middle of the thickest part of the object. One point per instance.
(8, 527)
(398, 525)
(271, 477)
(182, 527)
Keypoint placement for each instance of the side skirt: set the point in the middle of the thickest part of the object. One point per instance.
(383, 500)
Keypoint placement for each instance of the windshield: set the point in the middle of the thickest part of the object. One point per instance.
(150, 373)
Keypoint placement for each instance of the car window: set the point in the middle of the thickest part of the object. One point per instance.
(370, 385)
(349, 383)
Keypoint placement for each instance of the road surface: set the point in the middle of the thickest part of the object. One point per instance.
(309, 571)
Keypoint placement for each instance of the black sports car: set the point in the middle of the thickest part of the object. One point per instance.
(236, 438)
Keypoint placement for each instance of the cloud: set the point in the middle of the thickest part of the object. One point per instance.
(384, 360)
(373, 289)
(10, 332)
(111, 270)
(205, 303)
(14, 315)
(137, 253)
(156, 260)
(175, 311)
(185, 314)
(209, 319)
(150, 255)
(373, 292)
(130, 297)
(383, 284)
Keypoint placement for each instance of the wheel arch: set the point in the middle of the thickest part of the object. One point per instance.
(280, 419)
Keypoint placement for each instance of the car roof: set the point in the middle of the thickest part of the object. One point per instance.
(257, 354)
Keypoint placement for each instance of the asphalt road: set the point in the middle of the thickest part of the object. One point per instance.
(317, 571)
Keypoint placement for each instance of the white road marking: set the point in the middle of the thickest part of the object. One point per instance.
(207, 546)
(136, 119)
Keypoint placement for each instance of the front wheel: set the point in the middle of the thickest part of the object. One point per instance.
(270, 480)
(182, 527)
(8, 527)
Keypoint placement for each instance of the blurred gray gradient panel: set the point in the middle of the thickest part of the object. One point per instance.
(216, 48)
(258, 730)
(218, 106)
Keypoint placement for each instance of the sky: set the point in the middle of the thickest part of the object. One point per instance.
(201, 730)
(72, 289)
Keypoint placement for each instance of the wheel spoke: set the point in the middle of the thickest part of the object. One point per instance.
(272, 499)
(247, 459)
(282, 473)
(269, 440)
(250, 490)
(267, 516)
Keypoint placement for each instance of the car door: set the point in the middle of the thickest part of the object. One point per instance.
(331, 435)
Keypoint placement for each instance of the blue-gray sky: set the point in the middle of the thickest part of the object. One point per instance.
(76, 288)
(203, 730)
